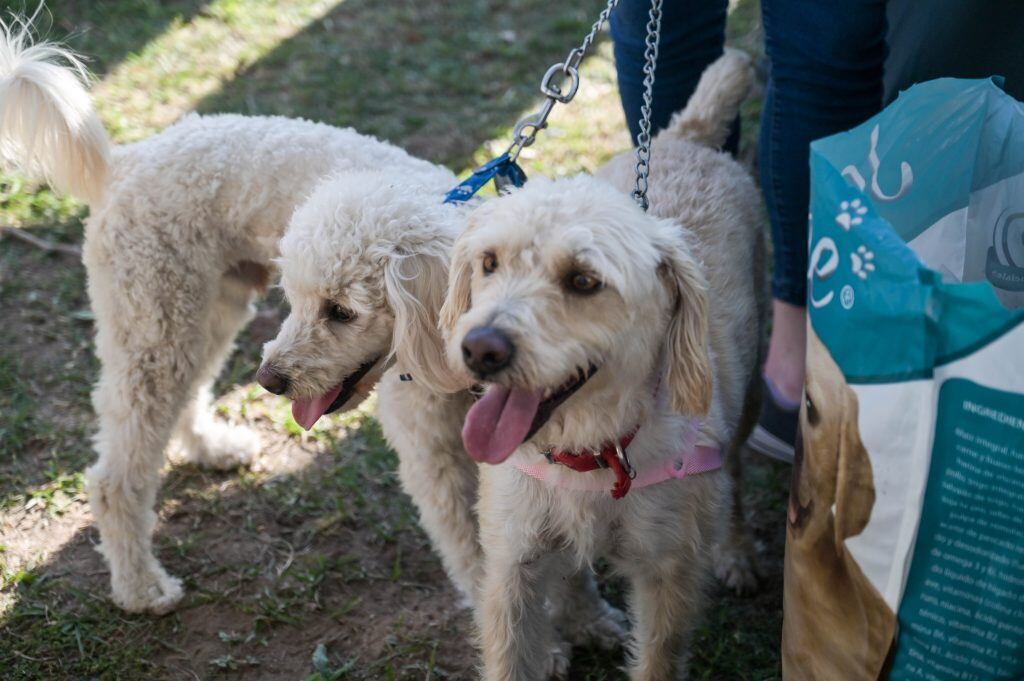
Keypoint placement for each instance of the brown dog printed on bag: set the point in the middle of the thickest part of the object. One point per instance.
(836, 624)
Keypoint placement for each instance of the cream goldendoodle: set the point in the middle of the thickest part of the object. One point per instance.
(182, 235)
(610, 338)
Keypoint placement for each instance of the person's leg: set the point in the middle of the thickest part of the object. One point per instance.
(692, 36)
(825, 76)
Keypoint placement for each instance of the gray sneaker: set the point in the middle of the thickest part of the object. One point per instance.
(775, 433)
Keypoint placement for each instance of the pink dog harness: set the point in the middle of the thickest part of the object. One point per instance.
(693, 459)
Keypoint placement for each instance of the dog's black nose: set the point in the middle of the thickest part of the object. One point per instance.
(273, 380)
(486, 350)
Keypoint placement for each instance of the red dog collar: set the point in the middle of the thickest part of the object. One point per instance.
(611, 456)
(692, 459)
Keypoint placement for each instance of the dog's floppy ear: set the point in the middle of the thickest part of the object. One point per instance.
(855, 486)
(459, 278)
(689, 364)
(415, 289)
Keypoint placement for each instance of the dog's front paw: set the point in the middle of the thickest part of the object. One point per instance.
(560, 661)
(157, 593)
(466, 600)
(584, 618)
(604, 627)
(609, 631)
(736, 567)
(222, 446)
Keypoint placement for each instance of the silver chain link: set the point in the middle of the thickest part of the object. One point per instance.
(525, 131)
(591, 37)
(643, 140)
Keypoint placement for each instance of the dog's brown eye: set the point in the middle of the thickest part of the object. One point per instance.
(490, 263)
(338, 313)
(581, 282)
(812, 412)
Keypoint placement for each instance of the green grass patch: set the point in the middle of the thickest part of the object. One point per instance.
(57, 632)
(18, 424)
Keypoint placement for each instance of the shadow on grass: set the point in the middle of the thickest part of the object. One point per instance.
(462, 72)
(326, 555)
(276, 565)
(47, 368)
(107, 31)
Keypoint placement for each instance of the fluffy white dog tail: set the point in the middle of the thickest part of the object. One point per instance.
(48, 127)
(711, 110)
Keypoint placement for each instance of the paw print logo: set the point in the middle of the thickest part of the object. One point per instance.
(861, 262)
(850, 214)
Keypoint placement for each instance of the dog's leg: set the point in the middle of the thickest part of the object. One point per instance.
(736, 555)
(151, 340)
(206, 441)
(443, 489)
(666, 554)
(581, 615)
(134, 428)
(666, 600)
(436, 472)
(517, 636)
(203, 439)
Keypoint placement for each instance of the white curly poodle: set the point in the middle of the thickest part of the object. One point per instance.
(182, 234)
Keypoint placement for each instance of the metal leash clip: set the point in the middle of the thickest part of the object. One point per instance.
(525, 131)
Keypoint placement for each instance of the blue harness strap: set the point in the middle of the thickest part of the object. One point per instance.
(503, 170)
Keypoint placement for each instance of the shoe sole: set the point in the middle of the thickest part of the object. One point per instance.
(763, 442)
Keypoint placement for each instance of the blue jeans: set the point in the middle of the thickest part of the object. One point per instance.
(692, 36)
(826, 64)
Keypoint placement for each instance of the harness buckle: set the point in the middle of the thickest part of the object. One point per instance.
(546, 451)
(599, 460)
(620, 454)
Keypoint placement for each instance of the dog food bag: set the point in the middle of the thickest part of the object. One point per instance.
(905, 532)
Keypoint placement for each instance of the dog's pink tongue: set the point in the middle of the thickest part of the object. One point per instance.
(498, 423)
(307, 412)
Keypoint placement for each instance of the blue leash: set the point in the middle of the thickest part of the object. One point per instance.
(503, 170)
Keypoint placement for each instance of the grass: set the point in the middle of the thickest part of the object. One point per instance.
(311, 563)
(275, 573)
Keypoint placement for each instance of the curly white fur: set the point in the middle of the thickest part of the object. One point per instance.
(47, 125)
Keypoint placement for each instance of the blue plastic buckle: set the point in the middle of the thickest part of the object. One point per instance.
(503, 170)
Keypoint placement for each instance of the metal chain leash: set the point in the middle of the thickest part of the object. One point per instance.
(525, 131)
(576, 54)
(643, 140)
